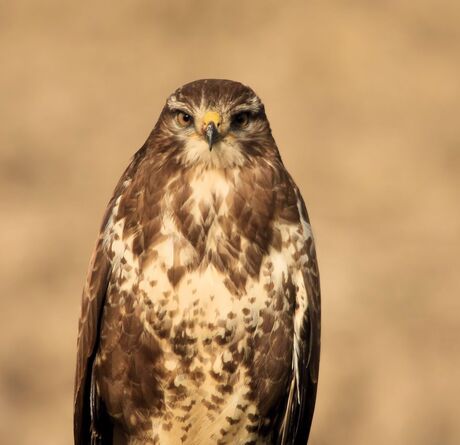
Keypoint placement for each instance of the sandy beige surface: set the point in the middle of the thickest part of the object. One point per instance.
(364, 101)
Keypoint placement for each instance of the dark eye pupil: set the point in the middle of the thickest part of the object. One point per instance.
(186, 117)
(241, 118)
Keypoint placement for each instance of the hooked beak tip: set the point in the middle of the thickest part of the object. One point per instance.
(211, 134)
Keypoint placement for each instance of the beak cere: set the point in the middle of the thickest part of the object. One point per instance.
(211, 123)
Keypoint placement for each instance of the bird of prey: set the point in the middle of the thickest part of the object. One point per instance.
(200, 319)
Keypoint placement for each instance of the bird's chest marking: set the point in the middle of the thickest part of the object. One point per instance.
(201, 210)
(210, 300)
(205, 224)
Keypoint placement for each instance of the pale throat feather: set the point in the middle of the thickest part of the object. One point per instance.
(225, 154)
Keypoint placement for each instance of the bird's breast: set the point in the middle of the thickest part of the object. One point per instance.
(199, 320)
(197, 352)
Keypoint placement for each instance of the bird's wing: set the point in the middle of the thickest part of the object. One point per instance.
(86, 403)
(92, 302)
(307, 328)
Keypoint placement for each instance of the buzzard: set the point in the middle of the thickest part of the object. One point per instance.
(200, 318)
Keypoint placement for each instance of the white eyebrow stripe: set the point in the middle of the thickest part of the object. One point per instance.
(175, 104)
(254, 107)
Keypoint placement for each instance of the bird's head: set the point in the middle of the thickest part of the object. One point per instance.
(219, 123)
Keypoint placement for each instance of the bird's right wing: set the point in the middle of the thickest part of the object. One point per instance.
(88, 332)
(86, 402)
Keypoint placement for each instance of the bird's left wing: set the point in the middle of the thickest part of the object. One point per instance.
(307, 330)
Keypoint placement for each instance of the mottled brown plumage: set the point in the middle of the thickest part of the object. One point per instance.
(200, 317)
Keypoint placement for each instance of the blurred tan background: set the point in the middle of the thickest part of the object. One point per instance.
(364, 101)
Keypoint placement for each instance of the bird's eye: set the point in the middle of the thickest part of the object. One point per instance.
(183, 119)
(241, 120)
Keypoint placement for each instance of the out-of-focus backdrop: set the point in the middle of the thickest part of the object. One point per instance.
(364, 102)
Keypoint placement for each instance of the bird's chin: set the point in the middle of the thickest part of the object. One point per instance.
(224, 154)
